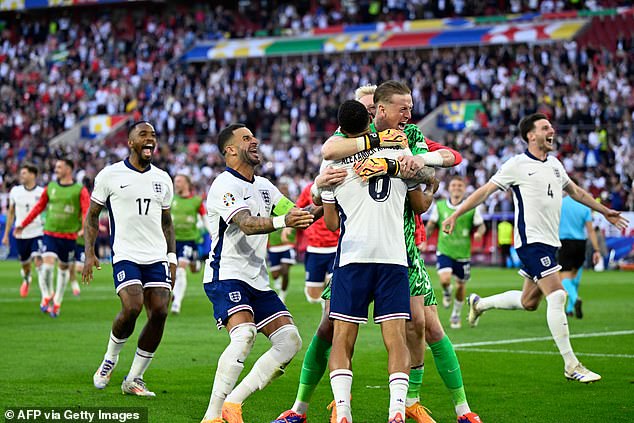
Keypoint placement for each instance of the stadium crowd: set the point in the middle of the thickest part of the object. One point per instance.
(56, 70)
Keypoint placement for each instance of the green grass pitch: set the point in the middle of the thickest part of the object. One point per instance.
(50, 362)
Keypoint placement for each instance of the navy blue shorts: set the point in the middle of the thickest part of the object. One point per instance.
(186, 250)
(461, 269)
(354, 286)
(538, 260)
(276, 259)
(231, 296)
(29, 247)
(80, 253)
(318, 266)
(62, 248)
(154, 275)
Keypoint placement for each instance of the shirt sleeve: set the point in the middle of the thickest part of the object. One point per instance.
(101, 191)
(588, 215)
(169, 195)
(477, 217)
(84, 201)
(226, 200)
(505, 176)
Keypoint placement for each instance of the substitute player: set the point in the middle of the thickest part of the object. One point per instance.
(537, 180)
(186, 208)
(242, 209)
(66, 204)
(22, 198)
(454, 251)
(138, 196)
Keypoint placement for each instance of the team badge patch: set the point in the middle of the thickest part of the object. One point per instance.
(121, 276)
(158, 188)
(235, 296)
(266, 196)
(545, 261)
(229, 199)
(557, 174)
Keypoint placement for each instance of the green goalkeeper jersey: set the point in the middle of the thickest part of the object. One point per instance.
(456, 245)
(185, 217)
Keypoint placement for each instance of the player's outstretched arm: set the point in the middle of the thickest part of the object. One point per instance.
(475, 199)
(584, 197)
(91, 229)
(596, 255)
(252, 225)
(170, 238)
(338, 147)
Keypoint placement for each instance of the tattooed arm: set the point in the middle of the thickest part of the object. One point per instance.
(295, 218)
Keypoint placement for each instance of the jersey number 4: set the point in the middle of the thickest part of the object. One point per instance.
(379, 188)
(143, 202)
(550, 192)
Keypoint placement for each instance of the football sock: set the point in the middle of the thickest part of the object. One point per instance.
(282, 294)
(398, 391)
(558, 325)
(509, 300)
(571, 289)
(449, 370)
(115, 345)
(577, 278)
(230, 365)
(415, 382)
(286, 342)
(42, 283)
(62, 282)
(313, 368)
(47, 278)
(341, 384)
(26, 276)
(141, 362)
(457, 307)
(180, 286)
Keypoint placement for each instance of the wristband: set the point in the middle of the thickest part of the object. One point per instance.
(171, 258)
(432, 158)
(328, 196)
(372, 140)
(279, 222)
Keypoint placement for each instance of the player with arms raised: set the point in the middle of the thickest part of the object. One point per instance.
(537, 180)
(138, 196)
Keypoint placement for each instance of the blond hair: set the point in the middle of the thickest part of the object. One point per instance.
(363, 91)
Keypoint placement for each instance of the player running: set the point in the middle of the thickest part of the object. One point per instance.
(242, 209)
(66, 204)
(138, 196)
(537, 180)
(454, 251)
(22, 198)
(186, 208)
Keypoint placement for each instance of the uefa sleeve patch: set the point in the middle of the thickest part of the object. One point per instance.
(228, 199)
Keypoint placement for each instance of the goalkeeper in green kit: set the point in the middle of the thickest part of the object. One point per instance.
(393, 104)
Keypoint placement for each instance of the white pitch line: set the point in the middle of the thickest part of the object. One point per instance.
(542, 338)
(494, 350)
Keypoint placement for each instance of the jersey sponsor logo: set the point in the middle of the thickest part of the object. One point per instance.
(157, 186)
(545, 261)
(228, 199)
(235, 296)
(121, 276)
(266, 196)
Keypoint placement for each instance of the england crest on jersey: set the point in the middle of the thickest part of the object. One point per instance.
(545, 261)
(266, 196)
(158, 187)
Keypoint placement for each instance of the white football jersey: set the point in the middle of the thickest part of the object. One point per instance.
(135, 202)
(235, 255)
(371, 214)
(537, 190)
(24, 200)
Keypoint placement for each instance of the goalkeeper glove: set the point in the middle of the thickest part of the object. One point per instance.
(387, 138)
(376, 166)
